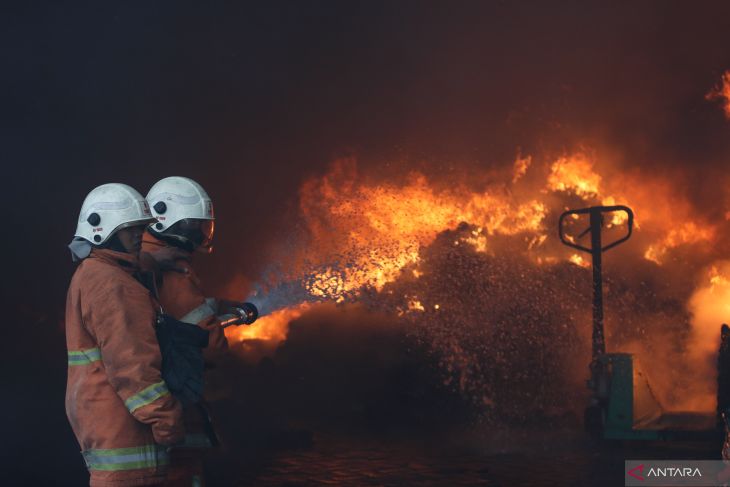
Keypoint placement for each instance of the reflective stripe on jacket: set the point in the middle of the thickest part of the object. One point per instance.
(121, 459)
(116, 401)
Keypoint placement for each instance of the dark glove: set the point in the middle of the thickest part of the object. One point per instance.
(181, 345)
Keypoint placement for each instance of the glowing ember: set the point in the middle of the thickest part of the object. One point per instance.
(329, 284)
(478, 240)
(579, 261)
(415, 305)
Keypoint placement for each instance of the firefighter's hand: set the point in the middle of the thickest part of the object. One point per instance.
(170, 435)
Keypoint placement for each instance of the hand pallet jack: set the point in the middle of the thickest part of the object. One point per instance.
(622, 405)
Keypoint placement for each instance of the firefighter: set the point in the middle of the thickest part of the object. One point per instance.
(120, 409)
(184, 227)
(185, 222)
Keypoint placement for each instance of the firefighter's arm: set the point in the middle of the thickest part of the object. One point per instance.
(122, 320)
(205, 316)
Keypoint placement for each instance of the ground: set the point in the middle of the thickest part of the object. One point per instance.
(566, 458)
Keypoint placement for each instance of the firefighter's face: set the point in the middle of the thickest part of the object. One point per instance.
(131, 238)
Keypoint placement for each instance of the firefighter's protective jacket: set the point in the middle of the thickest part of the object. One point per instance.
(181, 296)
(117, 403)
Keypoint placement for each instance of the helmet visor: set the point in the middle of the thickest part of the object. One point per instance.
(207, 228)
(198, 233)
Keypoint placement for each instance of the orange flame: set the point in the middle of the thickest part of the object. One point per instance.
(273, 327)
(365, 233)
(709, 306)
(382, 227)
(579, 261)
(574, 174)
(687, 233)
(522, 164)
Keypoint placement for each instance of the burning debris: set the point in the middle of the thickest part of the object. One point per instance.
(504, 330)
(477, 272)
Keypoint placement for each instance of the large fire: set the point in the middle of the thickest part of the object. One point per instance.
(364, 240)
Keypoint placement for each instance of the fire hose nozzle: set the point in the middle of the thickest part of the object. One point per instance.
(245, 314)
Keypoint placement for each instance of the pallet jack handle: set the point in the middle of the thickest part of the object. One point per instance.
(596, 214)
(596, 250)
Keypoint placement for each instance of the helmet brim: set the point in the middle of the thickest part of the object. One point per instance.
(133, 223)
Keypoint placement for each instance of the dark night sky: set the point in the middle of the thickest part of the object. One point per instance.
(252, 98)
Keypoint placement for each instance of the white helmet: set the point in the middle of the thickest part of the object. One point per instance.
(108, 208)
(175, 199)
